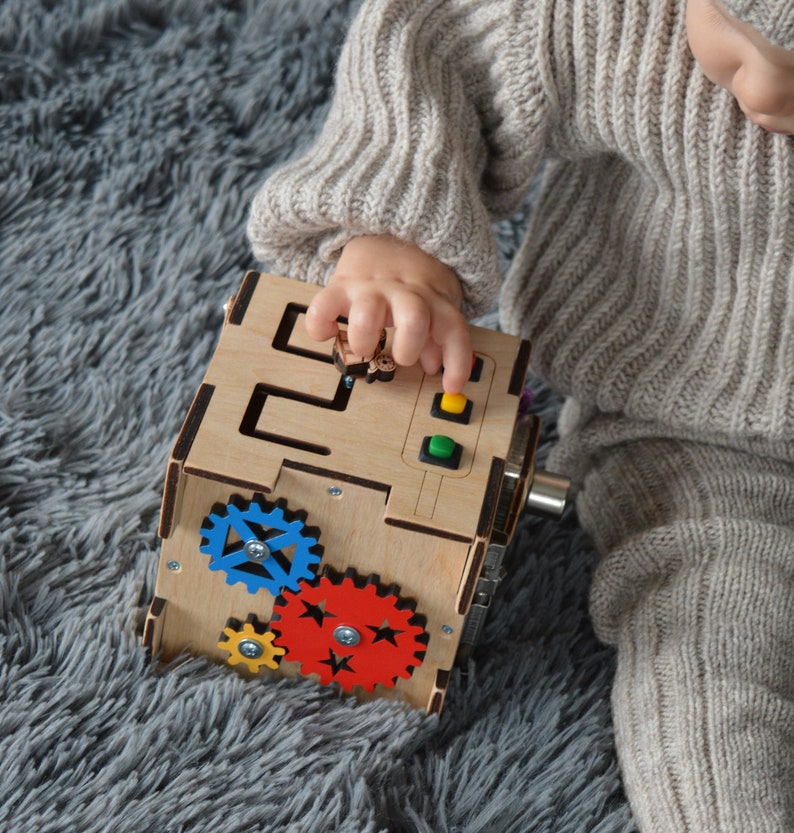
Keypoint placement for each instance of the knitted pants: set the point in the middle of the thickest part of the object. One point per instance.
(695, 588)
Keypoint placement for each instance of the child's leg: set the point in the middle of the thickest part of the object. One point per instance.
(696, 590)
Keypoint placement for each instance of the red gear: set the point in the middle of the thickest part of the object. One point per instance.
(390, 637)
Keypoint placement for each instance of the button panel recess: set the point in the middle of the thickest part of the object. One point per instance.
(445, 427)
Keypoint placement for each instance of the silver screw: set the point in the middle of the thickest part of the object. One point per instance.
(250, 648)
(348, 381)
(334, 491)
(347, 636)
(447, 629)
(256, 550)
(174, 566)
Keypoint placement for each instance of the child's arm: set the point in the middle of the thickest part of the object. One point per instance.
(435, 130)
(380, 281)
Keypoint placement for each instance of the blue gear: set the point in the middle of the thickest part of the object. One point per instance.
(266, 523)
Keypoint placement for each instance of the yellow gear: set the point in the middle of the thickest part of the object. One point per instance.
(246, 646)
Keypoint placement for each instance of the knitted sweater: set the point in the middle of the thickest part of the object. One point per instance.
(657, 277)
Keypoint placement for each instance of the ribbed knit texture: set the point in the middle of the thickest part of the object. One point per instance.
(657, 285)
(403, 148)
(697, 592)
(774, 19)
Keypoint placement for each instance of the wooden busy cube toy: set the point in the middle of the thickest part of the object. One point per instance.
(336, 516)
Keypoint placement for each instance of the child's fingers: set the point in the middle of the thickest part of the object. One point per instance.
(431, 358)
(457, 360)
(326, 306)
(452, 333)
(365, 322)
(411, 317)
(422, 308)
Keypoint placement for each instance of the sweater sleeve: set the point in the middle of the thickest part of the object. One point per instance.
(434, 131)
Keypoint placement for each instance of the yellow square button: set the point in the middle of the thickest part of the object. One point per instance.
(453, 403)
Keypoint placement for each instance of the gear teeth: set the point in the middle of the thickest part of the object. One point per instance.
(242, 505)
(351, 575)
(216, 516)
(408, 604)
(253, 634)
(255, 518)
(392, 642)
(253, 620)
(231, 624)
(298, 515)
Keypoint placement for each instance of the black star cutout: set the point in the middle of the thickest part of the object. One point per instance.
(315, 612)
(384, 632)
(337, 663)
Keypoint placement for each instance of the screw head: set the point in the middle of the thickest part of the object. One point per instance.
(447, 629)
(256, 550)
(250, 648)
(347, 636)
(334, 491)
(174, 565)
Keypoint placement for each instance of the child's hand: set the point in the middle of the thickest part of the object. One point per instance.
(382, 282)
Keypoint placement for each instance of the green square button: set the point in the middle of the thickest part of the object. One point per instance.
(440, 450)
(441, 447)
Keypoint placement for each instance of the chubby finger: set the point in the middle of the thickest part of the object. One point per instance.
(411, 317)
(321, 314)
(457, 361)
(431, 358)
(451, 332)
(365, 322)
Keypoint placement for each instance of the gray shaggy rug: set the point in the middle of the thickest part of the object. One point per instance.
(132, 136)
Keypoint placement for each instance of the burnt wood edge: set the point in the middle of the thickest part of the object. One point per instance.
(472, 577)
(182, 448)
(518, 378)
(243, 297)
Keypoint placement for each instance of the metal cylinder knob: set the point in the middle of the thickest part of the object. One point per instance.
(548, 494)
